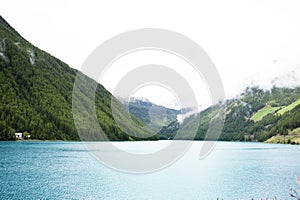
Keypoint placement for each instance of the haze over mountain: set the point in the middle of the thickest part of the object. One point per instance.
(284, 76)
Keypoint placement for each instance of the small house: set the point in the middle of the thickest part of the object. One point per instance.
(19, 136)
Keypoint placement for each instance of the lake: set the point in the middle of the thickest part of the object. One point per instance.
(66, 170)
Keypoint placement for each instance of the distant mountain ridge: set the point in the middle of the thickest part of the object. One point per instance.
(152, 115)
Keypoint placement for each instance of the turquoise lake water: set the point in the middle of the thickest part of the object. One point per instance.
(66, 170)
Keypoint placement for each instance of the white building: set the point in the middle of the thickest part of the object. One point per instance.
(19, 135)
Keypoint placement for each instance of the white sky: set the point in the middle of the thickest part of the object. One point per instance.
(249, 41)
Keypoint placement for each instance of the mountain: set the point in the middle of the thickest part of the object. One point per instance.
(36, 96)
(256, 115)
(154, 116)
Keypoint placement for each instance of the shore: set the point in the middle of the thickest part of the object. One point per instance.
(279, 139)
(293, 137)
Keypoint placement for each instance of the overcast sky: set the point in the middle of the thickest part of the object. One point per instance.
(250, 42)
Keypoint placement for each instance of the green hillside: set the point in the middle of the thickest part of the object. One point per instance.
(36, 95)
(264, 112)
(248, 117)
(289, 107)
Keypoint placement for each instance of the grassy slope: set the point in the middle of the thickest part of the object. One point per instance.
(270, 110)
(289, 107)
(264, 112)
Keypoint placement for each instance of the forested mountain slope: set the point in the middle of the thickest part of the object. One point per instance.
(256, 115)
(36, 94)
